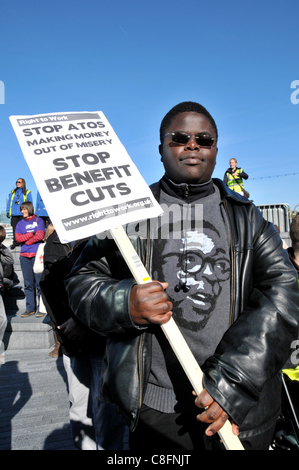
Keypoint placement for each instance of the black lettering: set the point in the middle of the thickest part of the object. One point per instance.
(67, 181)
(74, 199)
(74, 159)
(91, 125)
(27, 132)
(107, 172)
(93, 198)
(72, 126)
(85, 177)
(60, 163)
(36, 129)
(58, 138)
(109, 189)
(96, 175)
(123, 189)
(53, 185)
(103, 156)
(90, 159)
(125, 168)
(117, 171)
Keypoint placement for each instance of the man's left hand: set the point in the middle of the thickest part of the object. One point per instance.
(72, 330)
(213, 414)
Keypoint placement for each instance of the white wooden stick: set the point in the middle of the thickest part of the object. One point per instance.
(172, 332)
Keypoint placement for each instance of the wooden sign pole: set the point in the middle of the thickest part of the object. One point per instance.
(172, 332)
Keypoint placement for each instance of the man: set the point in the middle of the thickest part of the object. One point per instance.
(233, 177)
(293, 251)
(229, 286)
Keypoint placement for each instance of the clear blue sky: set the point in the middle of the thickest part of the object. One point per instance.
(135, 59)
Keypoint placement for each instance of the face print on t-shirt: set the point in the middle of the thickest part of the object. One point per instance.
(200, 262)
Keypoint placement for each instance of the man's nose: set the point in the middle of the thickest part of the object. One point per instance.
(192, 144)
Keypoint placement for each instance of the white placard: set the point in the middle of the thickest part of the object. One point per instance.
(84, 174)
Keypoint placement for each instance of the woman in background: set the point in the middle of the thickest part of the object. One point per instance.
(13, 208)
(30, 233)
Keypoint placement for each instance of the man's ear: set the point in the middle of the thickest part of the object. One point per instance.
(216, 154)
(161, 151)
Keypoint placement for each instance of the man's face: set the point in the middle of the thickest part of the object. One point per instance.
(189, 163)
(233, 164)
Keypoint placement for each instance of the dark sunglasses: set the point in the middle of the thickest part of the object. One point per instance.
(181, 138)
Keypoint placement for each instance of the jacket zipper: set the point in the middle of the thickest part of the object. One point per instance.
(140, 382)
(232, 267)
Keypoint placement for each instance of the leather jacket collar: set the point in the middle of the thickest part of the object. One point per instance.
(225, 192)
(187, 192)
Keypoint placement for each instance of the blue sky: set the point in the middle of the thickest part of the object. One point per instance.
(135, 59)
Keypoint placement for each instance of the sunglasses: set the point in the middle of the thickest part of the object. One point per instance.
(181, 138)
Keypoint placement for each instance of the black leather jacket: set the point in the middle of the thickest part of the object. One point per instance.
(243, 375)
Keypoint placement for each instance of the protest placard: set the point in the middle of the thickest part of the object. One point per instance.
(84, 174)
(89, 185)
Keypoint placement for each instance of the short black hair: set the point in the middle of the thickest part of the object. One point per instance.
(185, 107)
(294, 232)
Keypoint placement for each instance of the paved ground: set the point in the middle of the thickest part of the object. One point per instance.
(34, 405)
(34, 402)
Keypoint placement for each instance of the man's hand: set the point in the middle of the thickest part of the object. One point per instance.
(72, 330)
(213, 414)
(149, 304)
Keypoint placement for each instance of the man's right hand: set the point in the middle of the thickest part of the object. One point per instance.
(149, 304)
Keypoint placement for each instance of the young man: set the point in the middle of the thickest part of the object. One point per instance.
(229, 286)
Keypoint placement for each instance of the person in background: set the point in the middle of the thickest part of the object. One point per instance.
(285, 246)
(233, 177)
(30, 233)
(3, 321)
(41, 211)
(6, 273)
(293, 251)
(6, 261)
(291, 368)
(95, 425)
(13, 207)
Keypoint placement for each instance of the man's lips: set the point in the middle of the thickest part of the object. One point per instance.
(191, 159)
